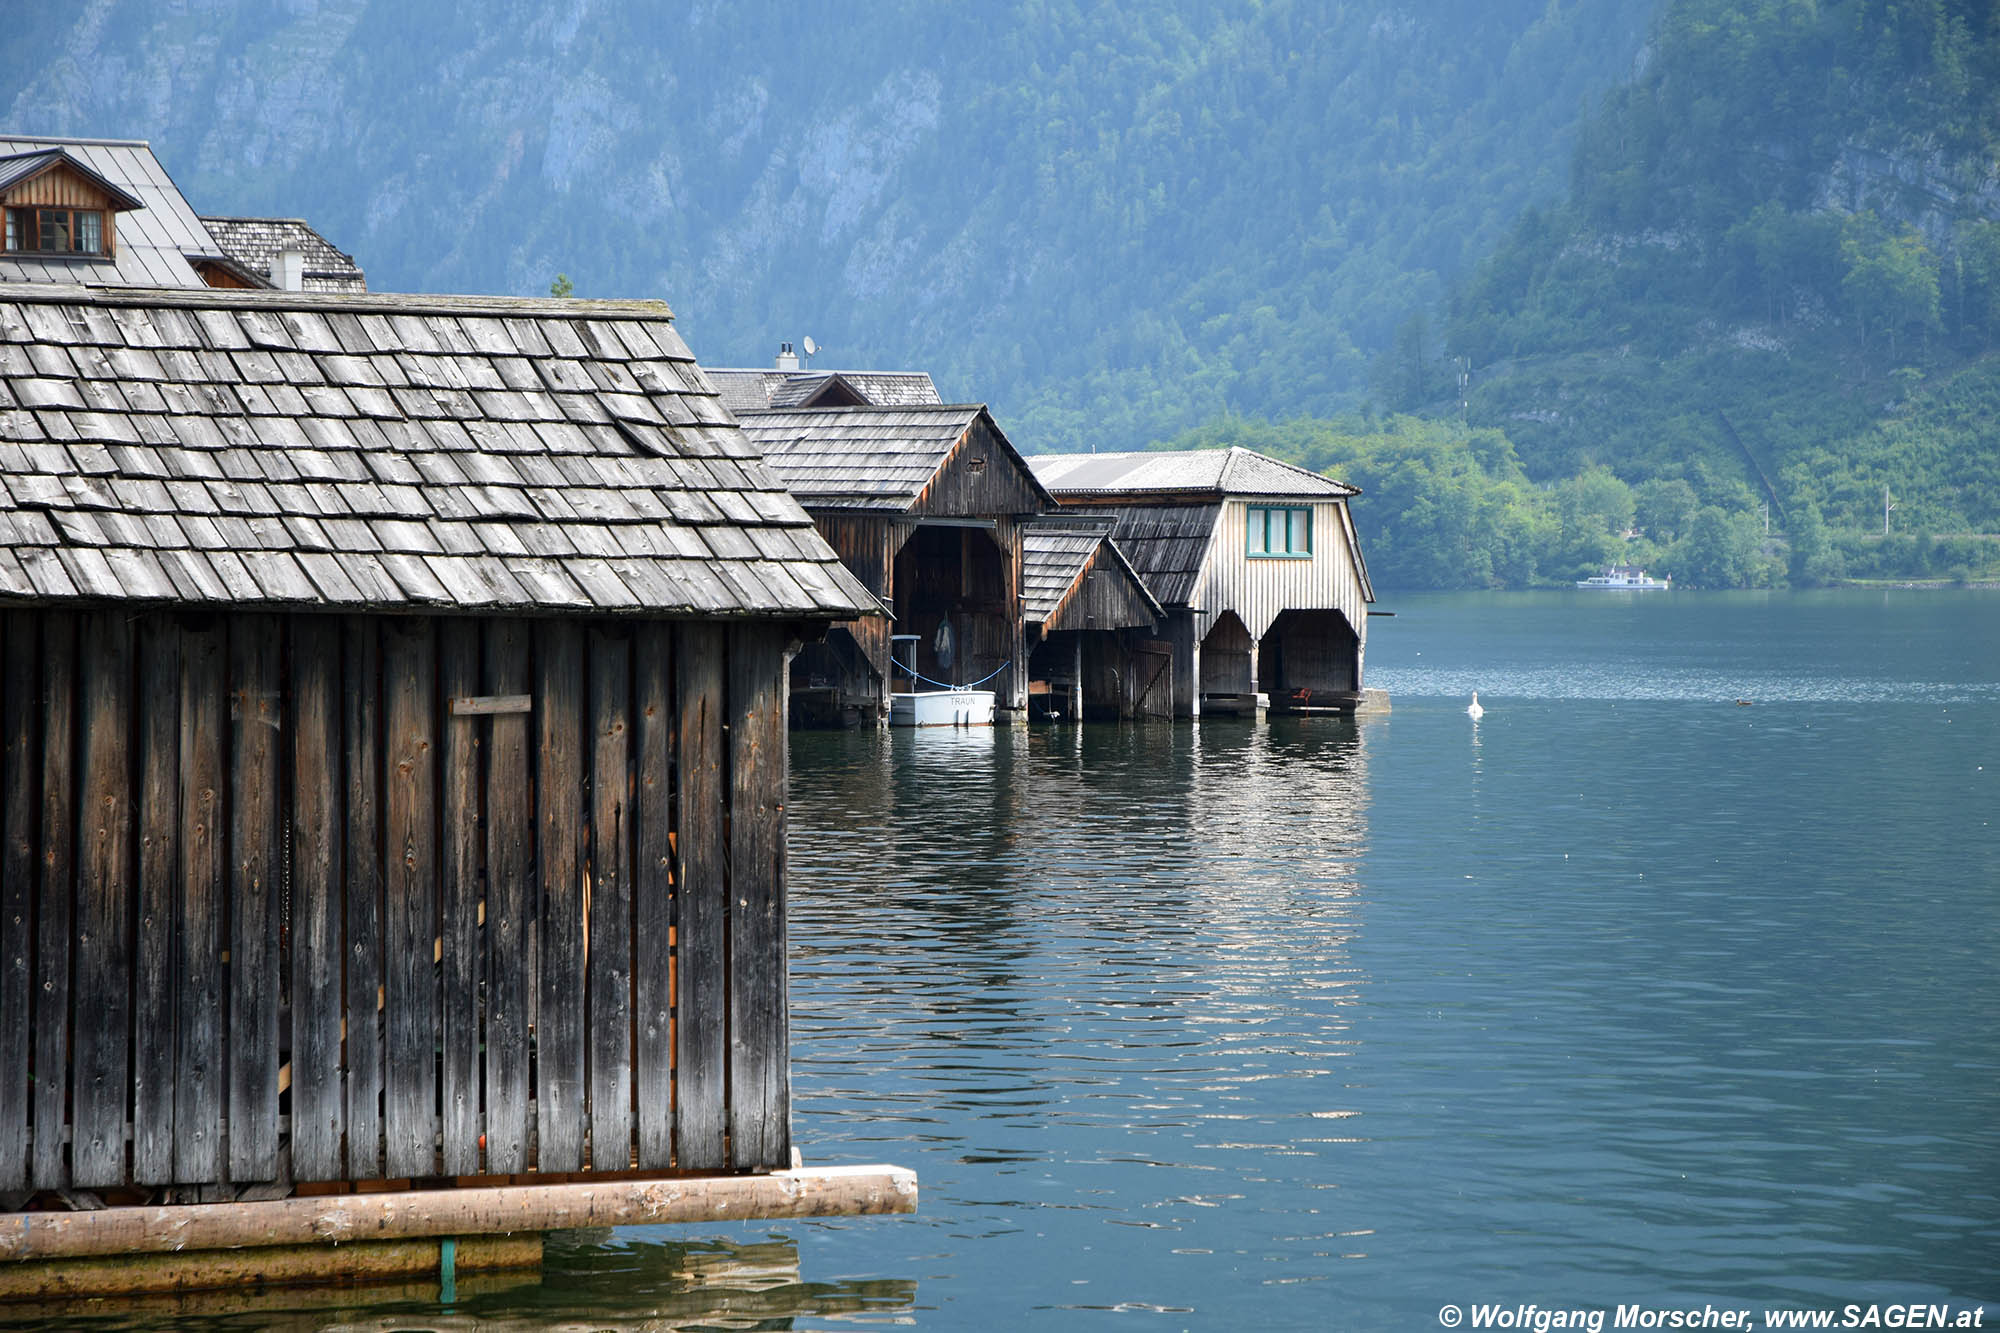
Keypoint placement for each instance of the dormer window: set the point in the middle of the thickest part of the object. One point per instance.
(57, 207)
(64, 231)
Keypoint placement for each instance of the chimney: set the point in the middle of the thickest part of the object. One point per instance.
(787, 358)
(288, 270)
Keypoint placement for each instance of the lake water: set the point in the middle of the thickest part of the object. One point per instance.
(1626, 994)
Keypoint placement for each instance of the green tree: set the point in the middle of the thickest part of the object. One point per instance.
(1719, 551)
(562, 286)
(1891, 282)
(1814, 561)
(1662, 507)
(1595, 501)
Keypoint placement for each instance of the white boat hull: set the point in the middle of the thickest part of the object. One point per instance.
(942, 708)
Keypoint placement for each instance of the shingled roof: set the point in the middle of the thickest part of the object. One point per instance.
(253, 243)
(1191, 472)
(298, 450)
(756, 390)
(867, 457)
(1055, 554)
(1167, 544)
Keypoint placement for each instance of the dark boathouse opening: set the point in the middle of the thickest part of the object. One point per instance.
(1309, 659)
(955, 575)
(1226, 666)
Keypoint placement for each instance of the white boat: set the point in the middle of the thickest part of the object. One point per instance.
(1625, 578)
(941, 708)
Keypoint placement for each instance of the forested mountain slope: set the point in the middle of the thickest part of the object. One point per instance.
(1113, 221)
(1775, 279)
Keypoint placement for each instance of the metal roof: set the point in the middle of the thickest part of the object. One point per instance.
(1055, 553)
(21, 167)
(300, 450)
(755, 390)
(1216, 472)
(254, 242)
(154, 239)
(863, 457)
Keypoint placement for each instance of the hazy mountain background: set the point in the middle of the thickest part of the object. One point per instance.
(1111, 221)
(1560, 281)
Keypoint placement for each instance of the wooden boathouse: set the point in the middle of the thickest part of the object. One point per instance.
(392, 739)
(1256, 562)
(926, 506)
(1092, 625)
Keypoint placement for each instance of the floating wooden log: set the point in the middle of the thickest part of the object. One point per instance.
(271, 1265)
(333, 1219)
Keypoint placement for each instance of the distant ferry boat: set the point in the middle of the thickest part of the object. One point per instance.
(1624, 578)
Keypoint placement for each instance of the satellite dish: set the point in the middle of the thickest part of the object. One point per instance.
(812, 348)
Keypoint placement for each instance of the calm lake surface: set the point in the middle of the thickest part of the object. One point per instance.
(1625, 994)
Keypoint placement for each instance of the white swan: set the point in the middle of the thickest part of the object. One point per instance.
(1474, 709)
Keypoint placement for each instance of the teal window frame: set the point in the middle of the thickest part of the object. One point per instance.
(1278, 532)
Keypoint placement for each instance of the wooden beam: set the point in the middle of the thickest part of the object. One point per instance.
(410, 899)
(701, 903)
(319, 1119)
(608, 980)
(363, 872)
(271, 1265)
(100, 1024)
(51, 989)
(559, 773)
(510, 895)
(329, 1219)
(256, 878)
(461, 974)
(759, 1083)
(488, 705)
(154, 1001)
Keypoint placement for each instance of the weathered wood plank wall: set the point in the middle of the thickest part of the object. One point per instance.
(262, 887)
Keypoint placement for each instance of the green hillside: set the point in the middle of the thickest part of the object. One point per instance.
(1775, 280)
(1112, 221)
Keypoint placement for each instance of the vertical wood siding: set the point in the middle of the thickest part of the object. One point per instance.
(56, 188)
(261, 888)
(1258, 589)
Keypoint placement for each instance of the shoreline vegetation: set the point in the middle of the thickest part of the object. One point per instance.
(1450, 506)
(1757, 344)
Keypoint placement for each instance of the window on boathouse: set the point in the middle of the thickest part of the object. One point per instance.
(1276, 530)
(56, 230)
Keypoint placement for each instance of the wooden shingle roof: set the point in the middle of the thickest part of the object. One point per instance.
(755, 390)
(253, 243)
(1056, 552)
(306, 450)
(868, 457)
(1167, 544)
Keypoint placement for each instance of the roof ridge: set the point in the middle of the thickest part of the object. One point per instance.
(59, 140)
(1236, 450)
(795, 408)
(394, 303)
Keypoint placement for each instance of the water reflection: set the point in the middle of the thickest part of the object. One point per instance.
(1110, 1003)
(590, 1281)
